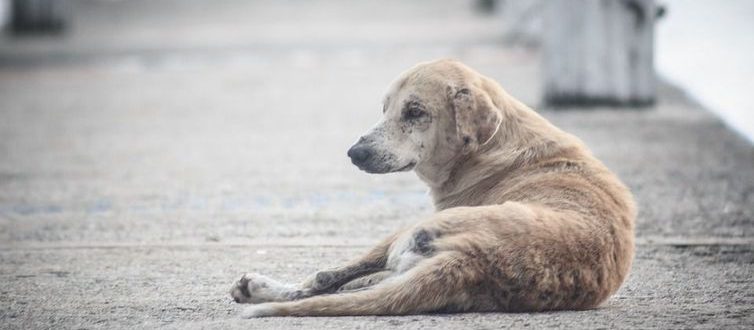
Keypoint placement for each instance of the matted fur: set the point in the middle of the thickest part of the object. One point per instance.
(527, 219)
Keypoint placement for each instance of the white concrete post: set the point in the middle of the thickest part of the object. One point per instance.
(522, 21)
(599, 52)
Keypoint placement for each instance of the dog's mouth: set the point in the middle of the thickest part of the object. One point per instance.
(408, 167)
(369, 168)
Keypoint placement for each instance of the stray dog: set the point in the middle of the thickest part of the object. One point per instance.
(527, 219)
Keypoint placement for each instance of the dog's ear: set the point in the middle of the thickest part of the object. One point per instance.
(477, 118)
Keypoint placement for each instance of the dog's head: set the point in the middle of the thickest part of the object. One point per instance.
(431, 114)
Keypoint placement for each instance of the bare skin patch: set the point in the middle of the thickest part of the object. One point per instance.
(422, 242)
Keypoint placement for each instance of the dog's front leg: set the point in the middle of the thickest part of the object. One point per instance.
(328, 281)
(256, 288)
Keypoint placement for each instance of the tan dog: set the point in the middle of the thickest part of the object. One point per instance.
(527, 219)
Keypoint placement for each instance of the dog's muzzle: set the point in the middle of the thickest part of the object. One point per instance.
(361, 155)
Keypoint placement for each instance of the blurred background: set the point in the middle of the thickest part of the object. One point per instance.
(153, 150)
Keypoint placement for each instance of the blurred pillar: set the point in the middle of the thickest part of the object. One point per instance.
(599, 52)
(487, 6)
(38, 16)
(522, 22)
(4, 13)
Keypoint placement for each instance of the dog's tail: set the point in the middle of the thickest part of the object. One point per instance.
(435, 284)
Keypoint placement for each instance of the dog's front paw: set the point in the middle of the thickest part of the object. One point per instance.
(255, 288)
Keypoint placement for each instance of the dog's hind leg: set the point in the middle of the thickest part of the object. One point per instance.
(435, 284)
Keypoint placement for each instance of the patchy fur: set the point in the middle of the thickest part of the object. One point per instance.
(527, 219)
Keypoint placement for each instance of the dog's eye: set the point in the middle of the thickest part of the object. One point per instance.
(414, 112)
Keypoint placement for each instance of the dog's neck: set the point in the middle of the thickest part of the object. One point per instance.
(523, 137)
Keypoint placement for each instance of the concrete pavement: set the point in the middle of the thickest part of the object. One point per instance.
(165, 147)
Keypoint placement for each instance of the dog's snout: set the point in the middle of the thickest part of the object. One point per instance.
(359, 153)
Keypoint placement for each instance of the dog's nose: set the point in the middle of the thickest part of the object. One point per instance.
(359, 153)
